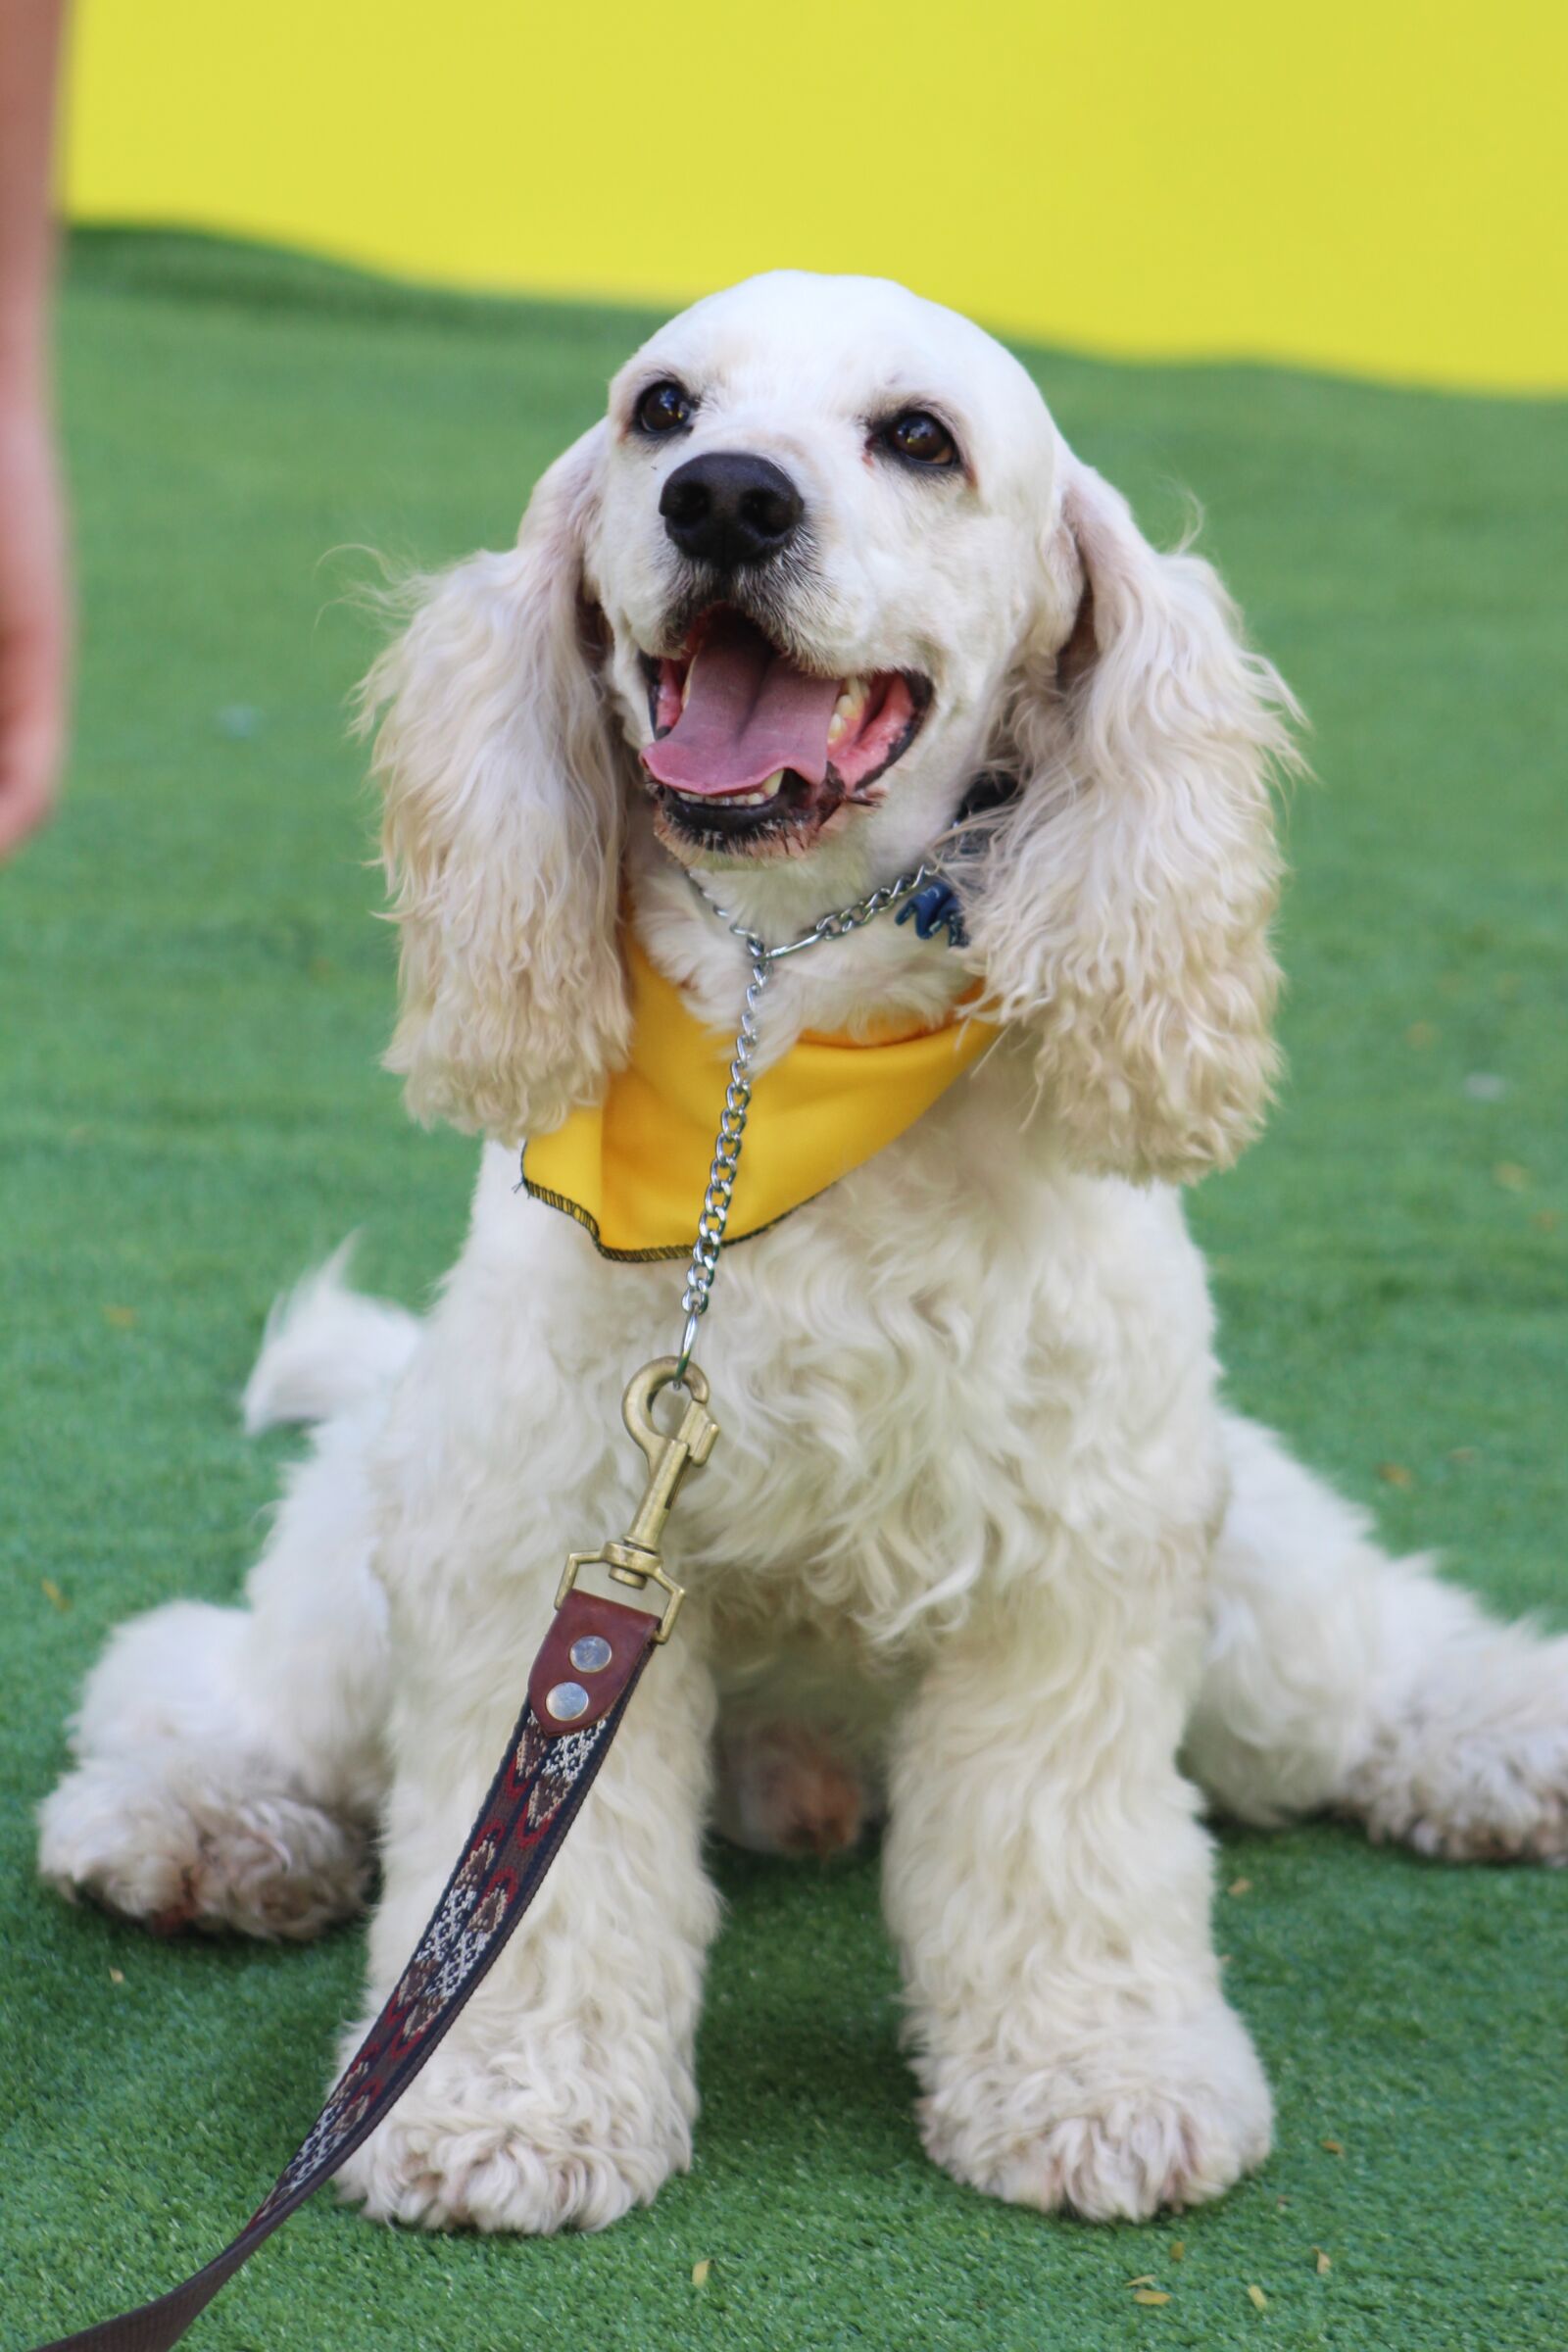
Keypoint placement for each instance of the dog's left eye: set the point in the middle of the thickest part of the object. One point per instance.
(663, 408)
(920, 438)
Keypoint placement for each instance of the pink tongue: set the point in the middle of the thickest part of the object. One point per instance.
(750, 712)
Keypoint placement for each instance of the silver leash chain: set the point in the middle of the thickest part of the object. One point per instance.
(721, 1174)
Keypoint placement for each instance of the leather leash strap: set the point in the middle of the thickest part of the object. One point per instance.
(578, 1690)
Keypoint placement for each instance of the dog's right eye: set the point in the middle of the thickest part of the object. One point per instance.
(663, 408)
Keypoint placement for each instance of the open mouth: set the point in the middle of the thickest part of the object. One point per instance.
(751, 753)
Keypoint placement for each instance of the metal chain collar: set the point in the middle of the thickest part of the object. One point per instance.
(738, 1091)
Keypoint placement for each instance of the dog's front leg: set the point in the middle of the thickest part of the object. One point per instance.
(1049, 1885)
(564, 2094)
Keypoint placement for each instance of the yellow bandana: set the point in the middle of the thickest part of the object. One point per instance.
(633, 1168)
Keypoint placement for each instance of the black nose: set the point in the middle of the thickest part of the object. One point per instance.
(729, 510)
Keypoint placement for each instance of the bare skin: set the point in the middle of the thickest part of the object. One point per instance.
(34, 599)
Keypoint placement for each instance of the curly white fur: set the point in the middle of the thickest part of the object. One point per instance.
(503, 825)
(980, 1543)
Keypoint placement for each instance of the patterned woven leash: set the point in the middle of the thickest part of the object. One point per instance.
(579, 1687)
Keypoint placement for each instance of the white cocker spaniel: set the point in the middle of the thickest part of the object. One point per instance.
(981, 1549)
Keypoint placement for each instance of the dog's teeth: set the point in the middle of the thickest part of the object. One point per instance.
(847, 709)
(736, 799)
(686, 685)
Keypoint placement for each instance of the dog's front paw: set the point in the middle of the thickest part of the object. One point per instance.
(1150, 2117)
(497, 2144)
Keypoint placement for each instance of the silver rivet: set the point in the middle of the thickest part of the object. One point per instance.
(567, 1702)
(591, 1653)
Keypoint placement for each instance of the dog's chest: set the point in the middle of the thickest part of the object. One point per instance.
(915, 1374)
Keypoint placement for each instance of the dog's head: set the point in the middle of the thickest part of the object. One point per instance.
(826, 560)
(818, 551)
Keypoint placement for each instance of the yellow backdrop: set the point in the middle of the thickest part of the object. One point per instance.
(1360, 185)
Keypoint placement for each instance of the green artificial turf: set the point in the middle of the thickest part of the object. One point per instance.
(193, 996)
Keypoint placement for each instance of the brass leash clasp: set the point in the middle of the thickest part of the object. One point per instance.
(637, 1557)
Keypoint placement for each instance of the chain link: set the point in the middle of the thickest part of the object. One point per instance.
(721, 1174)
(853, 918)
(726, 1162)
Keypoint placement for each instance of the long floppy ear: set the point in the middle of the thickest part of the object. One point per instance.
(503, 828)
(1122, 911)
